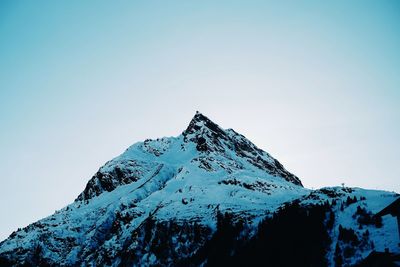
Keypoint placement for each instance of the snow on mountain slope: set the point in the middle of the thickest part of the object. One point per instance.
(178, 184)
(353, 209)
(203, 144)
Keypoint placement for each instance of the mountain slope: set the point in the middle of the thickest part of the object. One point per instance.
(176, 191)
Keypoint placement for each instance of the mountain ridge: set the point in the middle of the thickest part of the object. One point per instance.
(208, 137)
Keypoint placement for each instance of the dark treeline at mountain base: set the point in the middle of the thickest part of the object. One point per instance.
(294, 236)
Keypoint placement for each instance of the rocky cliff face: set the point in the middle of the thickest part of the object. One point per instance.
(204, 196)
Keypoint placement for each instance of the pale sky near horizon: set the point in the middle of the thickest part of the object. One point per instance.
(314, 83)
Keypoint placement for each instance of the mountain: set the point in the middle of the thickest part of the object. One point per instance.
(206, 197)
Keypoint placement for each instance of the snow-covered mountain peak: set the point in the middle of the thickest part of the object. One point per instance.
(211, 139)
(205, 133)
(203, 145)
(201, 123)
(161, 202)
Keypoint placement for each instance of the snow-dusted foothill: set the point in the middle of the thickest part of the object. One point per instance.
(205, 196)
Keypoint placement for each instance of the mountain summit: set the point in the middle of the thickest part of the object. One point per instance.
(209, 137)
(215, 150)
(206, 197)
(200, 120)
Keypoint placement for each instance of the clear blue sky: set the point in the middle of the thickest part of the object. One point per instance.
(315, 83)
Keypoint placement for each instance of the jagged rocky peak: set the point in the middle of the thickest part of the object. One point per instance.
(210, 138)
(205, 133)
(201, 123)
